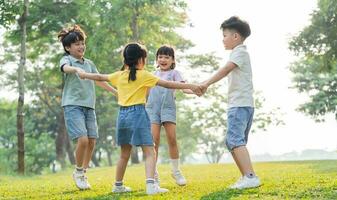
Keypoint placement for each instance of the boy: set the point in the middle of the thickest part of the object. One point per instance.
(240, 98)
(78, 100)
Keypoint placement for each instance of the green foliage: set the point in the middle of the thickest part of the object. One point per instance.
(9, 11)
(281, 180)
(38, 145)
(314, 72)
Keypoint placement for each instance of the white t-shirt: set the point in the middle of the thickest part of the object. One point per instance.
(240, 85)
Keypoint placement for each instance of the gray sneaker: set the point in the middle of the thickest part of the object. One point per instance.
(121, 189)
(81, 181)
(152, 189)
(179, 178)
(244, 183)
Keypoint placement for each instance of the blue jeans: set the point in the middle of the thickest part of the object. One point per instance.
(80, 121)
(239, 122)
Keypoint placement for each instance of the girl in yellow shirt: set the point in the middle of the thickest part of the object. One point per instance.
(133, 125)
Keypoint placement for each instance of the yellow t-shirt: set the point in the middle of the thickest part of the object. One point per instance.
(132, 92)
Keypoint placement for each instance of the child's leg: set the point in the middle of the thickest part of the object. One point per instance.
(88, 152)
(81, 147)
(150, 161)
(123, 161)
(155, 129)
(242, 160)
(170, 129)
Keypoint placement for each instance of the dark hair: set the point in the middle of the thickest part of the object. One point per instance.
(238, 25)
(168, 51)
(131, 54)
(71, 35)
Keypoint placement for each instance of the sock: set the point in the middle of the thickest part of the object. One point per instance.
(175, 165)
(250, 175)
(79, 169)
(119, 183)
(149, 181)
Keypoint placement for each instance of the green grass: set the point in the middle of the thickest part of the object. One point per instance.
(281, 180)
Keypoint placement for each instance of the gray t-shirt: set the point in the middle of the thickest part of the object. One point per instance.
(77, 91)
(240, 84)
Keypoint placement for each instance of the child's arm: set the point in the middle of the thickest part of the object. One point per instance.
(70, 69)
(178, 85)
(221, 73)
(94, 76)
(107, 87)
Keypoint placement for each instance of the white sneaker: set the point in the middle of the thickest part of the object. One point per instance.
(121, 189)
(152, 188)
(80, 180)
(180, 179)
(244, 183)
(86, 181)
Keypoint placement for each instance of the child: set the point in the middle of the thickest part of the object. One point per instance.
(162, 110)
(78, 100)
(240, 98)
(133, 123)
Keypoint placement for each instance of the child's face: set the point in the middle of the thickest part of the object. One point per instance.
(230, 39)
(77, 49)
(165, 62)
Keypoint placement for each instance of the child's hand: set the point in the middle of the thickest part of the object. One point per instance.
(81, 74)
(197, 90)
(203, 87)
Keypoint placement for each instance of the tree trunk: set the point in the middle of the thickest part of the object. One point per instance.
(69, 147)
(134, 155)
(94, 159)
(20, 123)
(109, 158)
(60, 142)
(135, 37)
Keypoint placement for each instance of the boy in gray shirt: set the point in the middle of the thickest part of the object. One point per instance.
(78, 100)
(240, 98)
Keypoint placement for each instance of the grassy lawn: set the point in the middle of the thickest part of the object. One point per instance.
(281, 180)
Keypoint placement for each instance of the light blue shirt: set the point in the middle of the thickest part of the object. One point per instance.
(77, 91)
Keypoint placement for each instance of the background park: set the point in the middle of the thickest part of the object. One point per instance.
(293, 142)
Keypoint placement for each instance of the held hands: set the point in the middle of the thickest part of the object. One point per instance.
(200, 89)
(197, 90)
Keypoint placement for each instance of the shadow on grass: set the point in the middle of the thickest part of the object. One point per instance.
(225, 194)
(113, 196)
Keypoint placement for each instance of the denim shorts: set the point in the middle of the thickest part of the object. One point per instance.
(80, 121)
(159, 116)
(133, 126)
(239, 121)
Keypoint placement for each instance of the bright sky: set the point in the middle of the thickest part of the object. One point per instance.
(272, 24)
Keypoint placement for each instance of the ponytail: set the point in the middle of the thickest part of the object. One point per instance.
(132, 53)
(133, 71)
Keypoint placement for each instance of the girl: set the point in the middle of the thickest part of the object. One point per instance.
(162, 110)
(133, 125)
(78, 100)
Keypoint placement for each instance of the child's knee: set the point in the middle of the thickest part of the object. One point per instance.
(83, 141)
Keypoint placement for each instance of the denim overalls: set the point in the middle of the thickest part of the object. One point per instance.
(161, 105)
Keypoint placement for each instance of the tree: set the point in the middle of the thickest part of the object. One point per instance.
(315, 71)
(155, 21)
(9, 10)
(20, 131)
